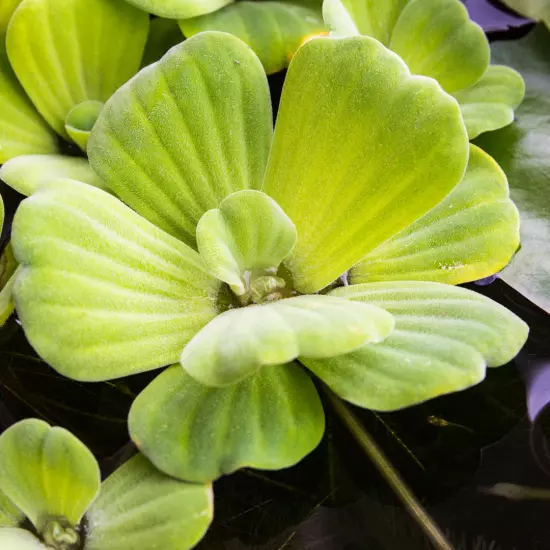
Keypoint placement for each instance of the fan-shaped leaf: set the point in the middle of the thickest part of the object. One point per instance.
(180, 9)
(190, 431)
(47, 472)
(19, 539)
(26, 173)
(437, 38)
(240, 341)
(139, 507)
(274, 30)
(103, 293)
(489, 103)
(472, 234)
(444, 338)
(361, 150)
(249, 231)
(80, 121)
(203, 114)
(98, 49)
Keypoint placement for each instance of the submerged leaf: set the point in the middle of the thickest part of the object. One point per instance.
(444, 338)
(186, 132)
(140, 507)
(240, 341)
(98, 49)
(274, 30)
(269, 421)
(179, 9)
(47, 472)
(26, 173)
(103, 293)
(472, 234)
(249, 231)
(362, 149)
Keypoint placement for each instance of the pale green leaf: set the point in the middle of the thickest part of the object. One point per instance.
(444, 338)
(26, 173)
(22, 129)
(140, 507)
(8, 274)
(249, 231)
(7, 303)
(436, 38)
(274, 30)
(472, 234)
(103, 293)
(65, 52)
(19, 539)
(240, 341)
(10, 515)
(367, 17)
(7, 7)
(522, 149)
(362, 149)
(196, 433)
(535, 9)
(186, 132)
(179, 9)
(47, 472)
(80, 120)
(163, 35)
(489, 103)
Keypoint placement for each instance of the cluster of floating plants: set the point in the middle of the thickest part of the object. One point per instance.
(170, 225)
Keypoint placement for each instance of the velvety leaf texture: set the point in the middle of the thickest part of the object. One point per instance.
(361, 150)
(140, 507)
(196, 433)
(103, 293)
(19, 539)
(10, 515)
(180, 9)
(47, 472)
(203, 114)
(274, 30)
(98, 49)
(472, 234)
(444, 338)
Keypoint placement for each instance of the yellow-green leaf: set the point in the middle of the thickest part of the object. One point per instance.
(179, 9)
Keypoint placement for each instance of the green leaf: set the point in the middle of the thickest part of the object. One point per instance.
(489, 103)
(179, 9)
(535, 9)
(274, 30)
(103, 293)
(362, 149)
(7, 7)
(140, 507)
(190, 431)
(367, 17)
(7, 304)
(240, 341)
(444, 338)
(249, 231)
(80, 121)
(472, 234)
(211, 137)
(522, 151)
(10, 515)
(47, 472)
(27, 173)
(8, 274)
(163, 35)
(436, 38)
(19, 539)
(65, 52)
(22, 129)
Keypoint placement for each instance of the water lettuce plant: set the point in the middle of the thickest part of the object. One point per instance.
(51, 498)
(436, 38)
(228, 249)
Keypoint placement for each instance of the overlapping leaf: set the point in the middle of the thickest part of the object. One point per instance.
(180, 9)
(99, 48)
(80, 120)
(535, 9)
(269, 421)
(472, 234)
(10, 515)
(357, 160)
(444, 338)
(238, 342)
(19, 539)
(47, 472)
(204, 114)
(103, 293)
(139, 507)
(26, 173)
(163, 35)
(274, 30)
